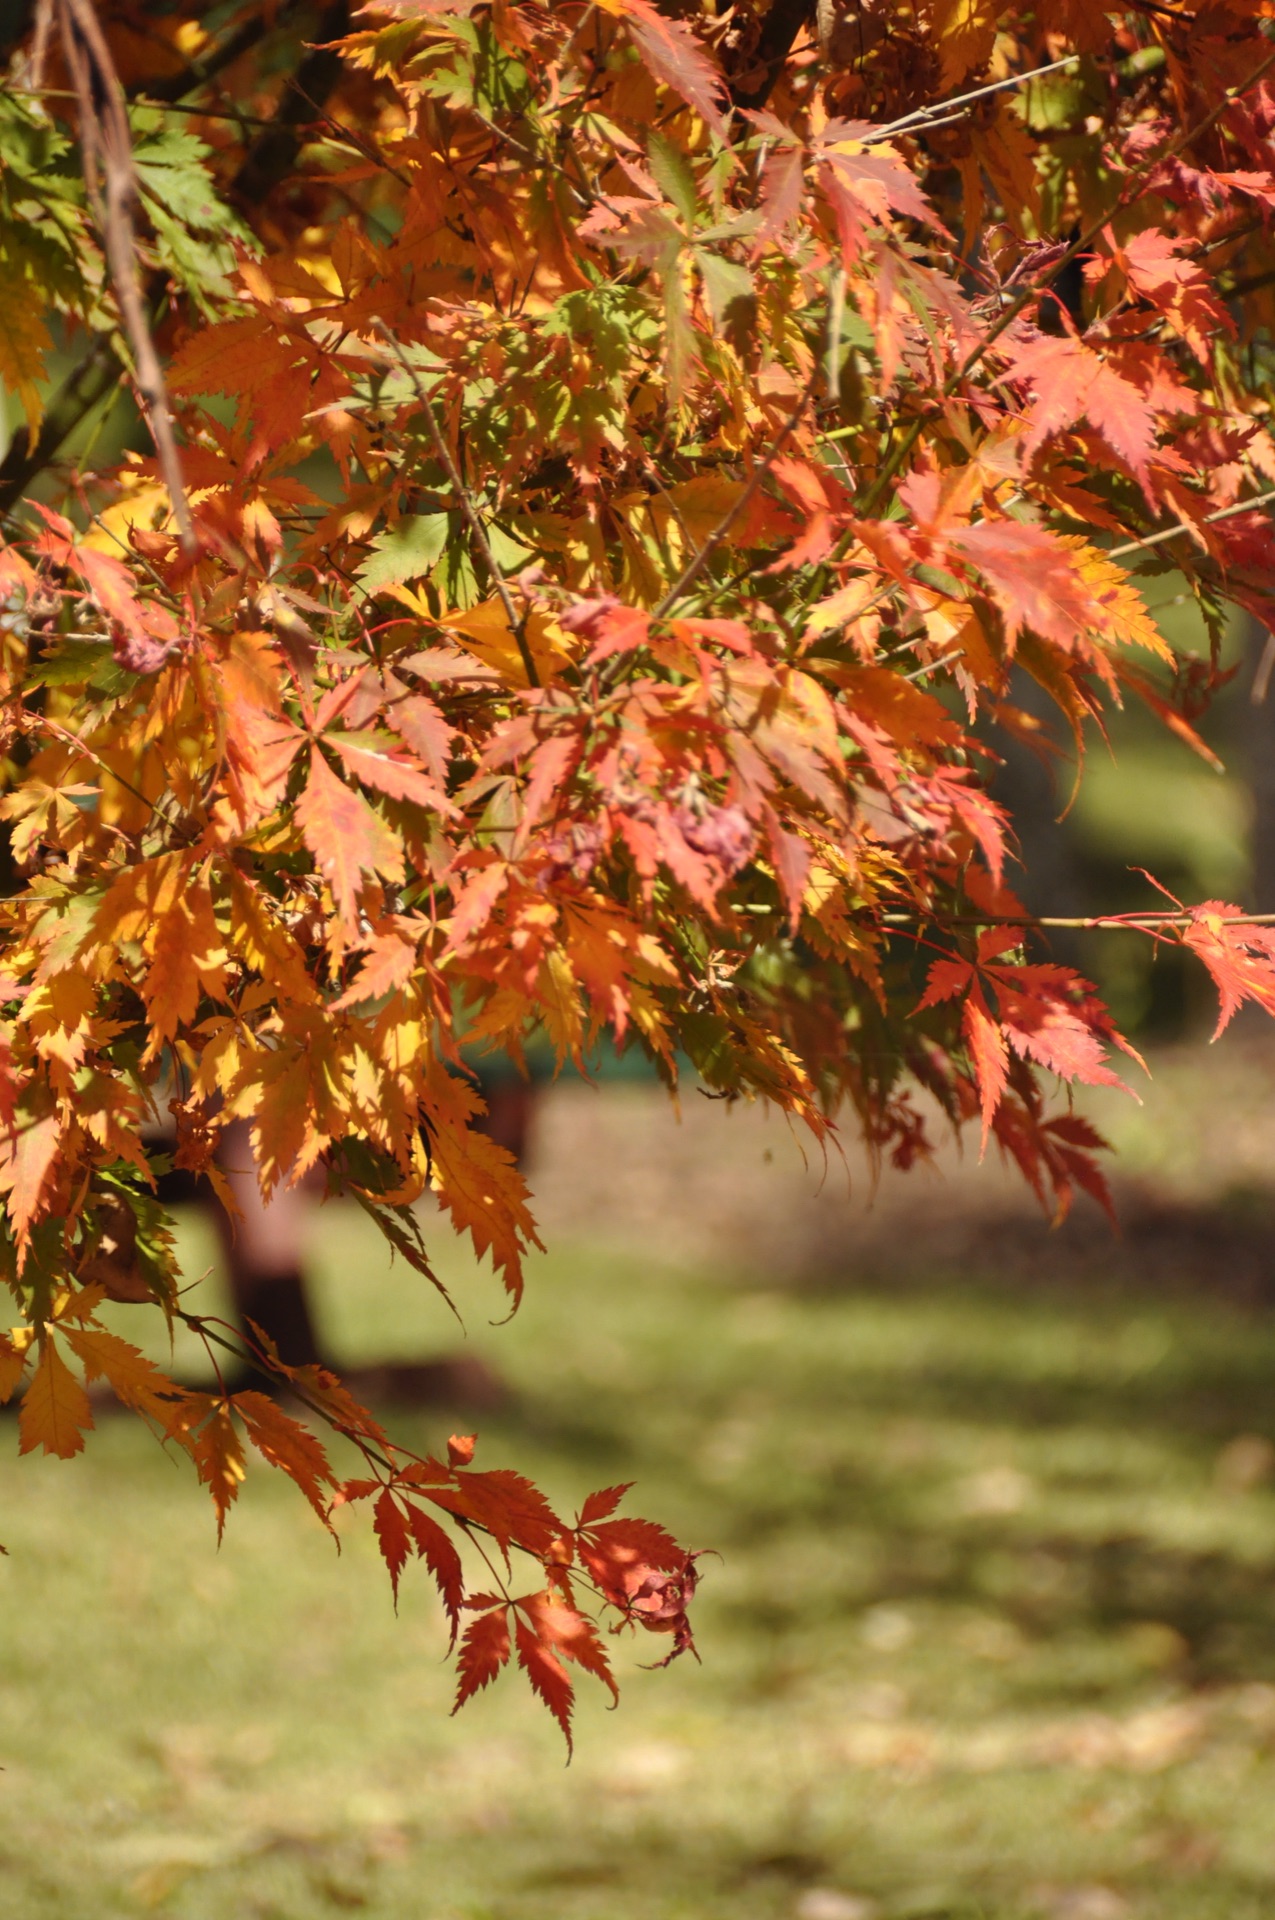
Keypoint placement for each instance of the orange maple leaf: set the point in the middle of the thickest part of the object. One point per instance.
(478, 1182)
(28, 1155)
(55, 1410)
(347, 837)
(207, 1432)
(288, 1445)
(484, 1650)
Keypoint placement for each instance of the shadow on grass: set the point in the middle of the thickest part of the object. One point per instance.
(993, 1634)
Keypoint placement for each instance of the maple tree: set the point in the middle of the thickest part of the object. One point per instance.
(603, 463)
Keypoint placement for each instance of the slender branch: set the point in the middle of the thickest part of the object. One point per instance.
(517, 623)
(205, 66)
(96, 377)
(1252, 283)
(921, 115)
(1188, 526)
(112, 185)
(196, 111)
(783, 22)
(1081, 922)
(101, 368)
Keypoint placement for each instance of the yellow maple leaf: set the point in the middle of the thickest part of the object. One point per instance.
(485, 632)
(58, 1013)
(840, 608)
(24, 341)
(138, 899)
(1123, 616)
(264, 943)
(143, 502)
(55, 1409)
(965, 31)
(558, 999)
(135, 1381)
(187, 958)
(13, 1360)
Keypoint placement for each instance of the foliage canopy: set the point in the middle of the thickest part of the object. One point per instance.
(607, 461)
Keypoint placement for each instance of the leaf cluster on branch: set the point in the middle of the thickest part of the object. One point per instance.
(609, 459)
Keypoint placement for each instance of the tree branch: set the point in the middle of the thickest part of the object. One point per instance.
(921, 117)
(1079, 922)
(205, 66)
(517, 623)
(101, 368)
(112, 186)
(779, 30)
(97, 374)
(273, 152)
(1188, 526)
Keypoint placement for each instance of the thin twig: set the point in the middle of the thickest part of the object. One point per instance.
(1081, 922)
(142, 104)
(1188, 526)
(81, 746)
(112, 187)
(518, 625)
(922, 115)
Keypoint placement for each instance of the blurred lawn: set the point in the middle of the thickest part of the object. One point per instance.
(993, 1635)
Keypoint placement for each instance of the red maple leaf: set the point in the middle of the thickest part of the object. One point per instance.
(484, 1650)
(1239, 956)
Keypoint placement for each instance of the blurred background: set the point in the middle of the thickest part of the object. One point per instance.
(992, 1633)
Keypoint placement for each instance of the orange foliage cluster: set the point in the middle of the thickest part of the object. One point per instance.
(625, 451)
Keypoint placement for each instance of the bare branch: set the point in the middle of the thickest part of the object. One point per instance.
(1081, 922)
(922, 117)
(1188, 526)
(112, 185)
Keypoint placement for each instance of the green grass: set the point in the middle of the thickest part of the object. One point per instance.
(990, 1636)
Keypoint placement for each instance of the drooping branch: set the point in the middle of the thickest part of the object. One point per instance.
(1135, 185)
